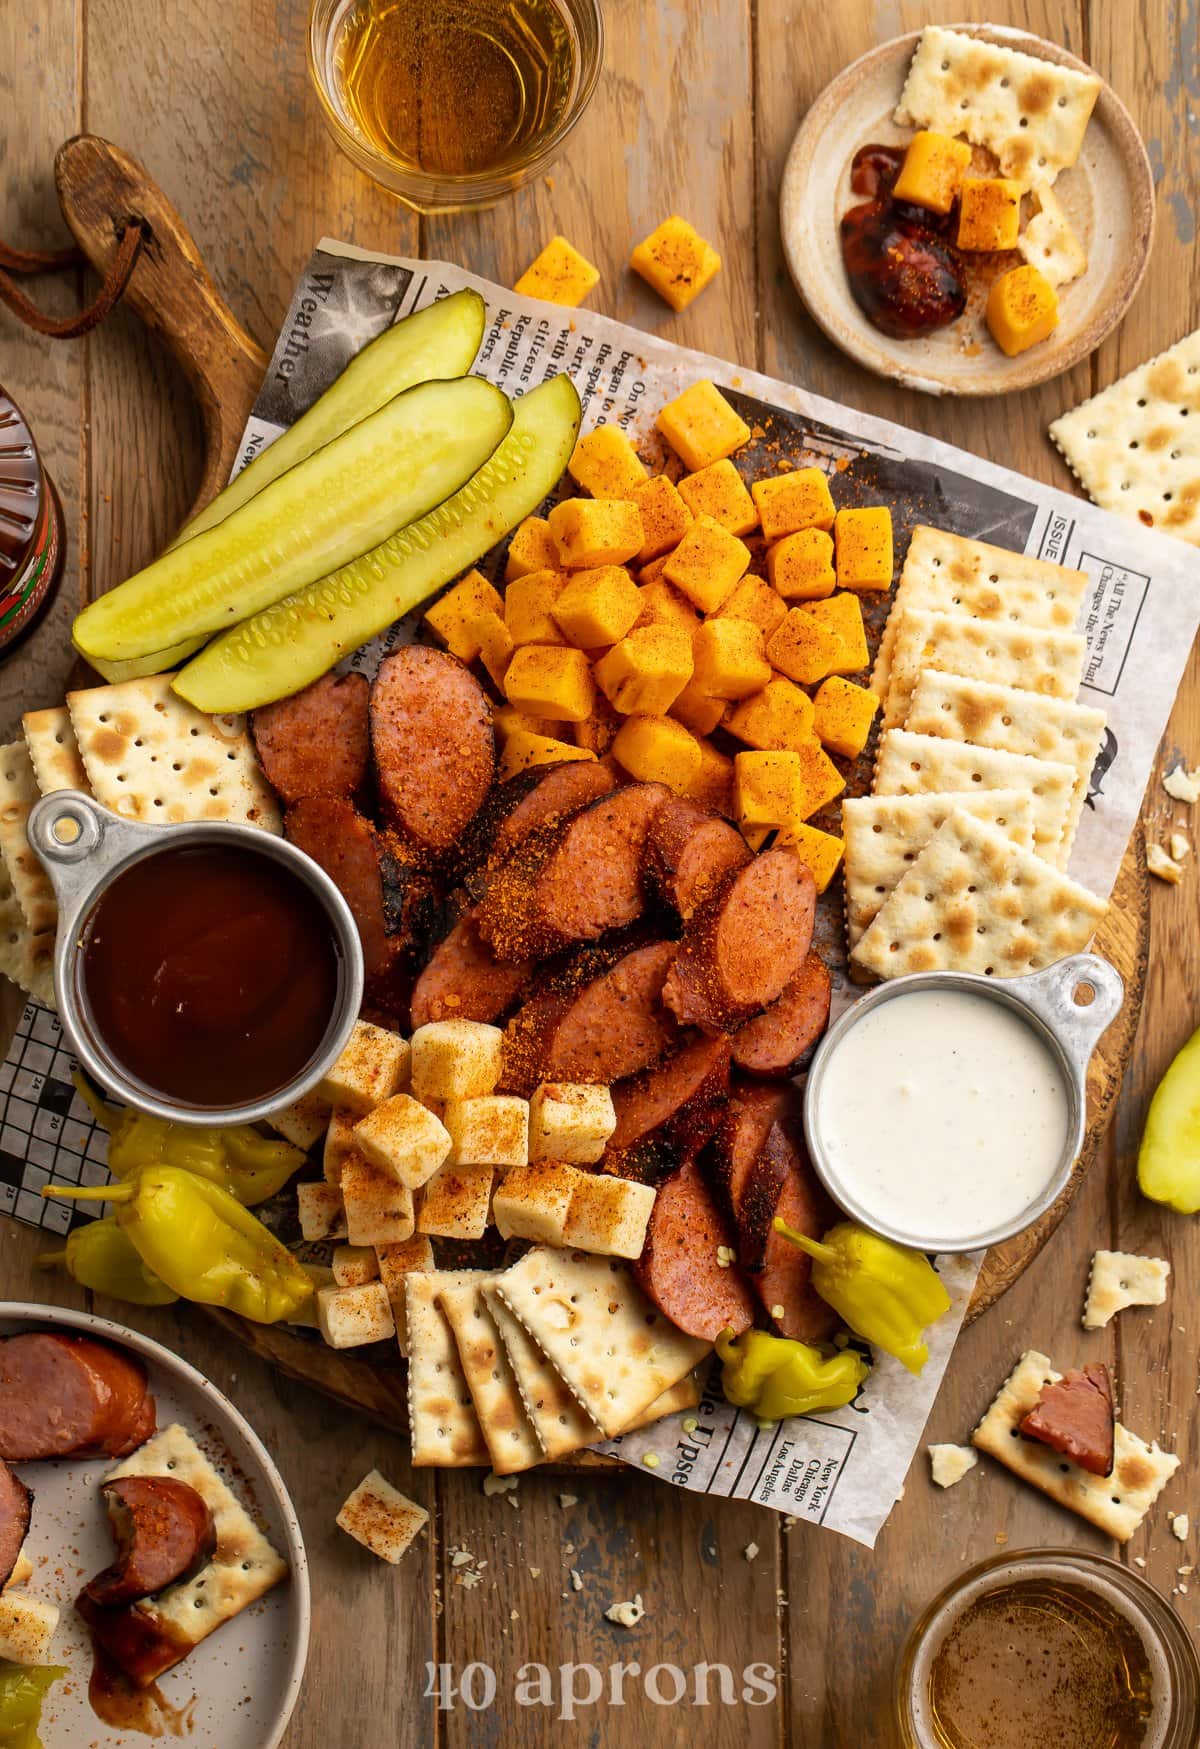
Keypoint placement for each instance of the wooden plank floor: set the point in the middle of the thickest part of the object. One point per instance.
(697, 105)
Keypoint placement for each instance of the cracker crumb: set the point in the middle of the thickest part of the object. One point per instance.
(535, 1572)
(1180, 1525)
(1139, 1560)
(1160, 864)
(1179, 846)
(1000, 1538)
(576, 1579)
(494, 1484)
(461, 1557)
(1182, 784)
(750, 1550)
(566, 1500)
(628, 1614)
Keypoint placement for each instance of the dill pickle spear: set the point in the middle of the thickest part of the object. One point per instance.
(1168, 1165)
(344, 500)
(299, 639)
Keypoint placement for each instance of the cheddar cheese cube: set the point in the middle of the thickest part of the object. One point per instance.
(788, 502)
(989, 213)
(404, 1137)
(595, 734)
(559, 275)
(1022, 309)
(351, 1317)
(708, 564)
(800, 565)
(802, 649)
(756, 837)
(551, 683)
(676, 261)
(371, 1067)
(570, 1121)
(531, 548)
(595, 531)
(606, 464)
(320, 1211)
(644, 674)
(653, 572)
(718, 491)
(457, 1202)
(821, 781)
(598, 607)
(455, 1059)
(820, 852)
(658, 750)
(932, 171)
(508, 720)
(729, 658)
(843, 714)
(354, 1265)
(663, 605)
(699, 710)
(608, 1216)
(665, 517)
(777, 719)
(527, 604)
(451, 615)
(495, 646)
(492, 1130)
(379, 1206)
(756, 601)
(523, 750)
(842, 615)
(713, 783)
(768, 788)
(534, 1201)
(862, 542)
(701, 427)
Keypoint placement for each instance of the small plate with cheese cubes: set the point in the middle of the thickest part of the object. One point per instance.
(967, 211)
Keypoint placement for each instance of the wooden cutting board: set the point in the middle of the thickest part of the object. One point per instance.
(101, 189)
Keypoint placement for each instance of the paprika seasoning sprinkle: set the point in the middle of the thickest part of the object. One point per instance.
(32, 541)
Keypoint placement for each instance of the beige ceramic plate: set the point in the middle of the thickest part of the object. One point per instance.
(1108, 196)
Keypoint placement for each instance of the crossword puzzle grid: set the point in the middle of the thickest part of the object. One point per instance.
(46, 1129)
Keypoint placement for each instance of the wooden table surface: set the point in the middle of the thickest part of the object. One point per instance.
(698, 102)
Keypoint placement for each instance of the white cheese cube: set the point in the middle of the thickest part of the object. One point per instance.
(27, 1625)
(533, 1202)
(303, 1122)
(379, 1209)
(321, 1213)
(490, 1131)
(354, 1265)
(381, 1518)
(950, 1463)
(456, 1202)
(321, 1276)
(570, 1121)
(608, 1216)
(455, 1059)
(372, 1067)
(339, 1143)
(405, 1139)
(350, 1317)
(395, 1262)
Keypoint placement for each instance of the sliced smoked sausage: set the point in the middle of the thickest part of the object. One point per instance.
(533, 798)
(782, 1279)
(692, 850)
(681, 1099)
(63, 1396)
(316, 742)
(778, 1042)
(465, 981)
(16, 1505)
(612, 1026)
(435, 753)
(679, 1269)
(333, 832)
(739, 1140)
(163, 1532)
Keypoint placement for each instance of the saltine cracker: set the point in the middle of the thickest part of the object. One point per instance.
(509, 1433)
(1118, 1279)
(909, 764)
(54, 751)
(29, 880)
(561, 1425)
(1042, 661)
(444, 1426)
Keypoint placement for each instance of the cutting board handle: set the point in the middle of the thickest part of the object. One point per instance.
(102, 190)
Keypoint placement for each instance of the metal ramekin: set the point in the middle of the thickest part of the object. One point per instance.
(1047, 1002)
(83, 848)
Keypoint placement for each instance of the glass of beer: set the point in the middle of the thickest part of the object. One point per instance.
(452, 104)
(1050, 1647)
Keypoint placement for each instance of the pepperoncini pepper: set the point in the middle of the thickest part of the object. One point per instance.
(886, 1293)
(100, 1256)
(23, 1688)
(196, 1236)
(775, 1377)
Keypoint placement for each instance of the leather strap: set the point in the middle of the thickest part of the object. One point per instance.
(133, 238)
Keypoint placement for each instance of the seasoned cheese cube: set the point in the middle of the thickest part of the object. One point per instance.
(755, 600)
(768, 788)
(663, 605)
(608, 1216)
(551, 683)
(701, 427)
(452, 614)
(645, 673)
(456, 1202)
(559, 275)
(382, 1519)
(843, 714)
(570, 1121)
(490, 1131)
(820, 852)
(379, 1207)
(787, 502)
(698, 710)
(598, 607)
(531, 548)
(802, 649)
(21, 1574)
(729, 658)
(594, 734)
(306, 1315)
(665, 517)
(351, 1317)
(718, 491)
(403, 1136)
(756, 837)
(372, 1066)
(708, 564)
(595, 531)
(27, 1626)
(455, 1059)
(842, 615)
(713, 786)
(339, 1143)
(821, 781)
(507, 720)
(863, 543)
(534, 1201)
(800, 566)
(658, 750)
(527, 604)
(932, 171)
(495, 646)
(396, 1261)
(1022, 309)
(606, 464)
(354, 1265)
(304, 1122)
(989, 213)
(522, 750)
(676, 261)
(777, 719)
(652, 573)
(320, 1209)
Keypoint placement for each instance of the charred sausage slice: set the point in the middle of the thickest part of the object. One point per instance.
(435, 753)
(465, 981)
(163, 1532)
(533, 798)
(743, 946)
(782, 1282)
(778, 1042)
(64, 1396)
(680, 1099)
(678, 1268)
(611, 1027)
(316, 742)
(346, 845)
(739, 1140)
(16, 1505)
(692, 851)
